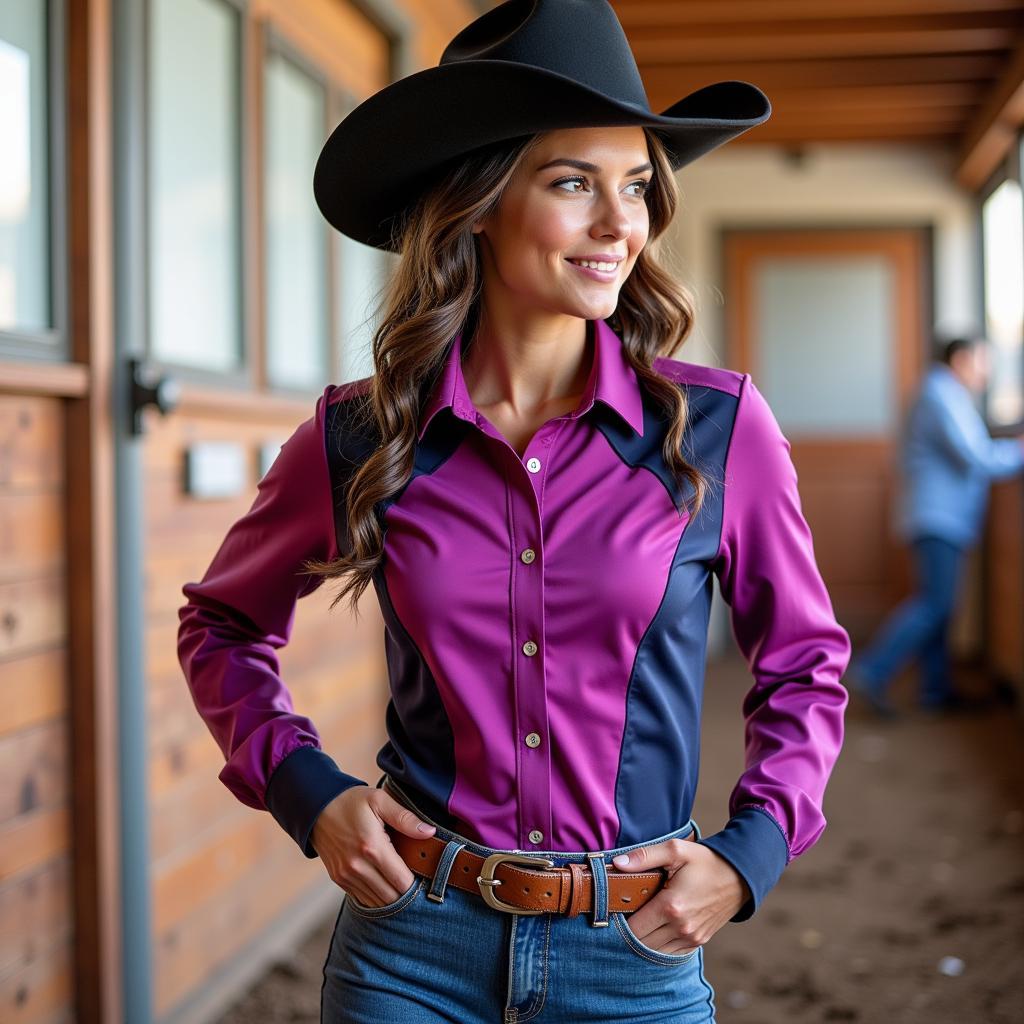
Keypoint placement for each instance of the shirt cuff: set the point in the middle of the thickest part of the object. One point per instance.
(302, 785)
(755, 845)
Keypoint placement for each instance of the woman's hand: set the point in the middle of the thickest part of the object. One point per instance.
(350, 838)
(702, 892)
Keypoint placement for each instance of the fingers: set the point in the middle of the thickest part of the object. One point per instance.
(664, 925)
(353, 843)
(399, 817)
(674, 920)
(383, 883)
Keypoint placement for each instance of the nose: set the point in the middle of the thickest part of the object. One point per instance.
(612, 221)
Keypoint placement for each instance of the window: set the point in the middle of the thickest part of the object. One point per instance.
(298, 317)
(194, 186)
(1002, 216)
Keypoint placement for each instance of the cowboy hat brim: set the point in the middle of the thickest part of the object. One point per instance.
(363, 180)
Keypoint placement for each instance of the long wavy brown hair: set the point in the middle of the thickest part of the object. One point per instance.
(436, 291)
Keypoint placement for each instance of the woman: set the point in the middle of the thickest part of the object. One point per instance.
(540, 495)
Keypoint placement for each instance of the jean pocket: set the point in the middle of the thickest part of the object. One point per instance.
(645, 952)
(388, 909)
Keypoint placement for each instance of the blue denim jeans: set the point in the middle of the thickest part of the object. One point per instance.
(919, 626)
(456, 959)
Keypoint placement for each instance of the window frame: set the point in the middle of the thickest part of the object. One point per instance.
(52, 344)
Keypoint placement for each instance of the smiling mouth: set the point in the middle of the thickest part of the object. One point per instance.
(605, 266)
(595, 272)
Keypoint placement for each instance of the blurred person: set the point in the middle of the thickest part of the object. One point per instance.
(949, 462)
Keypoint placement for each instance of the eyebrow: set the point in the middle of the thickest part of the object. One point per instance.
(584, 166)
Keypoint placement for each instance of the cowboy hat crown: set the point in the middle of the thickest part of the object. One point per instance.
(535, 33)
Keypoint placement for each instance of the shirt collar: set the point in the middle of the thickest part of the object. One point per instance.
(612, 380)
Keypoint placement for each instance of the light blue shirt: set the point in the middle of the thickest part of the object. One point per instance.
(949, 460)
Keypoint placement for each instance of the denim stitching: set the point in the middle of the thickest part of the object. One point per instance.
(654, 955)
(400, 904)
(534, 1010)
(511, 1012)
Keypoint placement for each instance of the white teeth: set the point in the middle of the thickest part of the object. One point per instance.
(594, 264)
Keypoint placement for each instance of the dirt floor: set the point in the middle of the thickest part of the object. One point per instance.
(908, 910)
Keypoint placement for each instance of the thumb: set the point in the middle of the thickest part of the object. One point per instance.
(399, 817)
(646, 857)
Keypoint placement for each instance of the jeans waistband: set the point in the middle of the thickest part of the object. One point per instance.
(559, 856)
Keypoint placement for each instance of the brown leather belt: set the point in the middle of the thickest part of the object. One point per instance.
(565, 890)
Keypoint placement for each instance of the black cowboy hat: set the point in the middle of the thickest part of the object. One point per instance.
(526, 66)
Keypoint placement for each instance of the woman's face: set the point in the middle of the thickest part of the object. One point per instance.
(578, 194)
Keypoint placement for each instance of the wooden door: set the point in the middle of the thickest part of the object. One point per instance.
(831, 324)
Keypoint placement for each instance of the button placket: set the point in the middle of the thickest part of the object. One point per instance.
(532, 758)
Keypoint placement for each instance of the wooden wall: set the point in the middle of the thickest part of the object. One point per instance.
(222, 873)
(35, 802)
(1004, 594)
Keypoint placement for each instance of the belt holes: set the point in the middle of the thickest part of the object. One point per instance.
(627, 899)
(643, 890)
(423, 855)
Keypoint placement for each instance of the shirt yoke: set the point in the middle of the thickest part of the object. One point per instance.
(682, 372)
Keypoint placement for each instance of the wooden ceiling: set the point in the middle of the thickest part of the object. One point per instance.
(944, 73)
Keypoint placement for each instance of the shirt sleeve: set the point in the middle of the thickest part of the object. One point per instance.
(241, 613)
(783, 623)
(963, 435)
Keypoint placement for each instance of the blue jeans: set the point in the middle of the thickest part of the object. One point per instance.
(417, 960)
(919, 626)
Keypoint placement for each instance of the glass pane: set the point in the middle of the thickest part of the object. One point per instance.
(194, 184)
(1003, 234)
(24, 168)
(361, 274)
(297, 314)
(826, 344)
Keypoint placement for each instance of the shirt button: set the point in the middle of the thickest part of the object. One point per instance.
(533, 464)
(529, 648)
(528, 555)
(533, 740)
(536, 836)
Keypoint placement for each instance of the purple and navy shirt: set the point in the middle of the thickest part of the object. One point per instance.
(546, 620)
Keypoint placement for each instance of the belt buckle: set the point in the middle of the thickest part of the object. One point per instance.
(488, 883)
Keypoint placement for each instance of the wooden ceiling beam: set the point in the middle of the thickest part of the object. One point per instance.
(953, 97)
(641, 13)
(937, 119)
(751, 44)
(943, 136)
(816, 73)
(989, 135)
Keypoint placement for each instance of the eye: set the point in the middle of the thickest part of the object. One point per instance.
(576, 178)
(579, 179)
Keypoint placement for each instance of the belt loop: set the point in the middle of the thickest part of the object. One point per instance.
(443, 869)
(600, 876)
